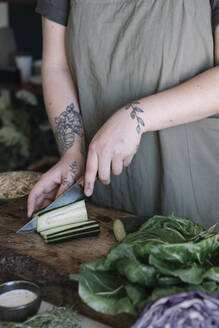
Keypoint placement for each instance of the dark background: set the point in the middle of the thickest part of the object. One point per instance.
(27, 28)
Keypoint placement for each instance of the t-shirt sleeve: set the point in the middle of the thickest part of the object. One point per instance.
(55, 10)
(58, 10)
(215, 12)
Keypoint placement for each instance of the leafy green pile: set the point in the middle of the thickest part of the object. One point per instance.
(58, 317)
(166, 256)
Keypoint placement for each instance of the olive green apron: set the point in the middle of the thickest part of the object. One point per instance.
(122, 50)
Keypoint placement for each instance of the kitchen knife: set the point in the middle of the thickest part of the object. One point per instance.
(73, 194)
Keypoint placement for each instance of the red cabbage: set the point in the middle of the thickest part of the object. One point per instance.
(186, 310)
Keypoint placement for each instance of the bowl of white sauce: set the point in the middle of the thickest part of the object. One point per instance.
(18, 300)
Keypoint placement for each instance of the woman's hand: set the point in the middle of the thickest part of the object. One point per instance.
(113, 146)
(56, 181)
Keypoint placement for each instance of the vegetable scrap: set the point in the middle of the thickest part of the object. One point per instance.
(124, 225)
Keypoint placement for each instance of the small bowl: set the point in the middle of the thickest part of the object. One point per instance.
(21, 182)
(22, 312)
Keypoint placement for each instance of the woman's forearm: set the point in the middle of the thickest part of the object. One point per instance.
(59, 90)
(62, 106)
(193, 100)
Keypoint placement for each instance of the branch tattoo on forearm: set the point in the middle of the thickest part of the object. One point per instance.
(68, 125)
(134, 114)
(74, 172)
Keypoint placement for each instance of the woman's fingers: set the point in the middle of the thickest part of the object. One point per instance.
(90, 173)
(104, 166)
(53, 183)
(47, 202)
(67, 182)
(32, 203)
(100, 165)
(117, 165)
(35, 200)
(62, 188)
(127, 160)
(43, 190)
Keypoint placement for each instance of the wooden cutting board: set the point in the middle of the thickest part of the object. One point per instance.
(27, 257)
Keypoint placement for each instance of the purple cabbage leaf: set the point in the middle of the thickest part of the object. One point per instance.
(186, 310)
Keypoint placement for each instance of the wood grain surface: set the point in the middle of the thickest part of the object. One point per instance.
(27, 257)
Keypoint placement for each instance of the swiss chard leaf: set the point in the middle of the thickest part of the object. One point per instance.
(104, 292)
(193, 273)
(167, 255)
(137, 272)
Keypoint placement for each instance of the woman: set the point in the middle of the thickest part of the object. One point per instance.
(142, 75)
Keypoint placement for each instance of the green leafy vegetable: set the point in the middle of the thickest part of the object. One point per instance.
(166, 256)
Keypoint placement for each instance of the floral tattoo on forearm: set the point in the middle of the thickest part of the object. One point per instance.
(74, 173)
(134, 114)
(68, 125)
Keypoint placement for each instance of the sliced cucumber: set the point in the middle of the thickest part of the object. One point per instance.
(84, 228)
(66, 227)
(68, 214)
(73, 236)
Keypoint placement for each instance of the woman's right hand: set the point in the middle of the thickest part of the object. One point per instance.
(56, 181)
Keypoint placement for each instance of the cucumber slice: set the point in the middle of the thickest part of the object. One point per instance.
(67, 227)
(73, 232)
(68, 214)
(73, 236)
(85, 228)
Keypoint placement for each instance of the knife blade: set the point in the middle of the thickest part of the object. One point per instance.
(73, 194)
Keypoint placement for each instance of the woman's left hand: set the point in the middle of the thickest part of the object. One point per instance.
(113, 146)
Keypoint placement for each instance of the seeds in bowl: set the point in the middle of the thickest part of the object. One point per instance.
(17, 184)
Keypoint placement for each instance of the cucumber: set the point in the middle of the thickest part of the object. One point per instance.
(66, 227)
(66, 222)
(68, 214)
(81, 228)
(127, 224)
(73, 236)
(75, 232)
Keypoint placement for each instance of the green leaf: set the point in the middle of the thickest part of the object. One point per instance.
(137, 272)
(104, 292)
(167, 255)
(136, 293)
(105, 283)
(169, 281)
(192, 274)
(209, 288)
(186, 252)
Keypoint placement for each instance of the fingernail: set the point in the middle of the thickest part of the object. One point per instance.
(88, 190)
(106, 182)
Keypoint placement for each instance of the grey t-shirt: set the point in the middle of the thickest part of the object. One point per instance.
(57, 10)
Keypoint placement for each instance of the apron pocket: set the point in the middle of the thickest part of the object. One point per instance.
(203, 145)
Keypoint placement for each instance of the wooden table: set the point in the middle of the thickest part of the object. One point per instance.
(27, 257)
